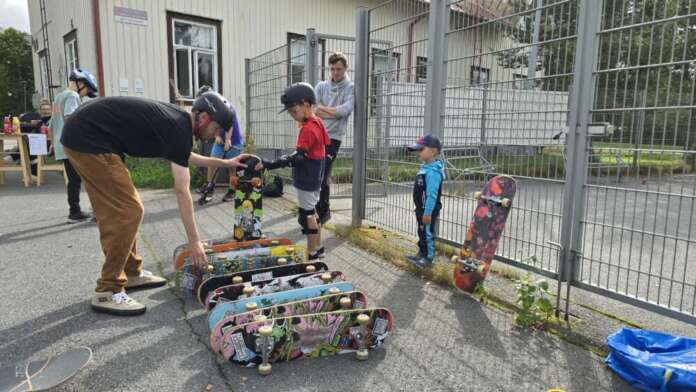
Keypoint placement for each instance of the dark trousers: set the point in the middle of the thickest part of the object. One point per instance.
(426, 234)
(74, 185)
(325, 193)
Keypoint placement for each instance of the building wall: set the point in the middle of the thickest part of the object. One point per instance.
(63, 16)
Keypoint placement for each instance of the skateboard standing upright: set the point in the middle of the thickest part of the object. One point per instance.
(248, 203)
(483, 233)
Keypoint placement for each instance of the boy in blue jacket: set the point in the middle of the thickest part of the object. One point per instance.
(427, 192)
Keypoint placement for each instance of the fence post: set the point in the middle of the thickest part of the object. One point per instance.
(580, 104)
(532, 61)
(362, 60)
(438, 25)
(311, 66)
(247, 96)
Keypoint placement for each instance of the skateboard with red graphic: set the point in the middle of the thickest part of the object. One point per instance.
(483, 233)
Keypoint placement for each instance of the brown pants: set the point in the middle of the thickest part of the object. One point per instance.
(118, 210)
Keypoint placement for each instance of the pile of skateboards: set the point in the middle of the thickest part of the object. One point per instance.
(267, 304)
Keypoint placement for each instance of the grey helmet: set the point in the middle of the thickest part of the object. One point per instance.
(216, 106)
(298, 93)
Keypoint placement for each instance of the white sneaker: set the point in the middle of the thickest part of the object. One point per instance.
(145, 280)
(119, 304)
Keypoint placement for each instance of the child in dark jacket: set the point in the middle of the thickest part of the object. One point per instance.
(427, 192)
(307, 161)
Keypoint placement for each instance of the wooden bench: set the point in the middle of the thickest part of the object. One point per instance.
(23, 158)
(42, 167)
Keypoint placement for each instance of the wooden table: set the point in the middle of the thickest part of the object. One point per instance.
(23, 167)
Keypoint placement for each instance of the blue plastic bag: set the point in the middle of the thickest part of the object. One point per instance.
(653, 361)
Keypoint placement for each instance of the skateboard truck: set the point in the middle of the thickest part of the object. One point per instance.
(282, 261)
(311, 268)
(248, 291)
(251, 306)
(334, 290)
(266, 331)
(326, 277)
(362, 353)
(237, 280)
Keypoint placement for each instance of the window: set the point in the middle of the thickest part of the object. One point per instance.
(480, 75)
(519, 81)
(385, 68)
(296, 56)
(43, 65)
(421, 69)
(194, 55)
(71, 56)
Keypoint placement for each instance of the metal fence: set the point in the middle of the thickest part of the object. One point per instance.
(589, 105)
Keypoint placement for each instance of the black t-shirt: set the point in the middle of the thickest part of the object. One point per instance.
(134, 126)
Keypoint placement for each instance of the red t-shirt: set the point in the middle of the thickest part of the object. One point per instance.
(313, 138)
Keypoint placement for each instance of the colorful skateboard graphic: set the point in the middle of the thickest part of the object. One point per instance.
(484, 232)
(327, 303)
(228, 308)
(256, 275)
(316, 335)
(182, 253)
(44, 374)
(248, 202)
(285, 283)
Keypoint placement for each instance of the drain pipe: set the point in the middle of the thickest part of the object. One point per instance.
(98, 46)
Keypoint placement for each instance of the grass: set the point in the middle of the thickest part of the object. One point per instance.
(157, 173)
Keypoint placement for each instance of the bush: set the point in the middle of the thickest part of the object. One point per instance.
(156, 173)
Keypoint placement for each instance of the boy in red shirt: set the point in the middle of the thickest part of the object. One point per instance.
(307, 161)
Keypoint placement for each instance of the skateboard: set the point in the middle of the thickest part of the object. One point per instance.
(263, 342)
(190, 277)
(285, 283)
(256, 275)
(181, 253)
(248, 201)
(327, 303)
(229, 308)
(483, 233)
(44, 374)
(277, 250)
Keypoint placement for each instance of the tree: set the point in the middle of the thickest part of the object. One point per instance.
(16, 72)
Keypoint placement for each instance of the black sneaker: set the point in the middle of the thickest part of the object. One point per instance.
(201, 190)
(319, 254)
(78, 216)
(229, 196)
(205, 199)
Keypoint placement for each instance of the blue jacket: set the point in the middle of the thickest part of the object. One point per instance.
(427, 190)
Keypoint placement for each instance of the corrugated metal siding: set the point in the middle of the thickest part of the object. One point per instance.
(62, 16)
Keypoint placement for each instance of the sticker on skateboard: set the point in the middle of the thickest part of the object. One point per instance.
(248, 201)
(263, 342)
(182, 253)
(228, 308)
(44, 374)
(483, 233)
(327, 303)
(256, 275)
(285, 283)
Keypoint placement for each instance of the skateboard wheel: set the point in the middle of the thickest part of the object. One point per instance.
(208, 251)
(266, 331)
(237, 280)
(210, 268)
(248, 290)
(251, 306)
(362, 354)
(334, 290)
(454, 258)
(346, 303)
(282, 261)
(265, 369)
(363, 319)
(256, 182)
(260, 317)
(289, 249)
(477, 195)
(311, 268)
(505, 202)
(247, 204)
(274, 242)
(326, 277)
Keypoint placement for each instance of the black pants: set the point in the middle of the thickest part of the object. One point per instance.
(325, 194)
(426, 234)
(74, 185)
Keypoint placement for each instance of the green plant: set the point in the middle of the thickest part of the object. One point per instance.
(533, 300)
(481, 292)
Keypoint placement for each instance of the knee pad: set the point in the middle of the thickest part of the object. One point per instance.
(302, 220)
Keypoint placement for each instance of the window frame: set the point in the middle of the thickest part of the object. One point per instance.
(173, 47)
(289, 38)
(480, 70)
(70, 39)
(421, 67)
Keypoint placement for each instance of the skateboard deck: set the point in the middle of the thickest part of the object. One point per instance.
(327, 303)
(269, 286)
(229, 308)
(190, 277)
(256, 275)
(248, 202)
(275, 250)
(483, 233)
(181, 253)
(307, 336)
(44, 374)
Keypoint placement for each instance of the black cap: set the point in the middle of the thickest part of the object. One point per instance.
(298, 93)
(426, 141)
